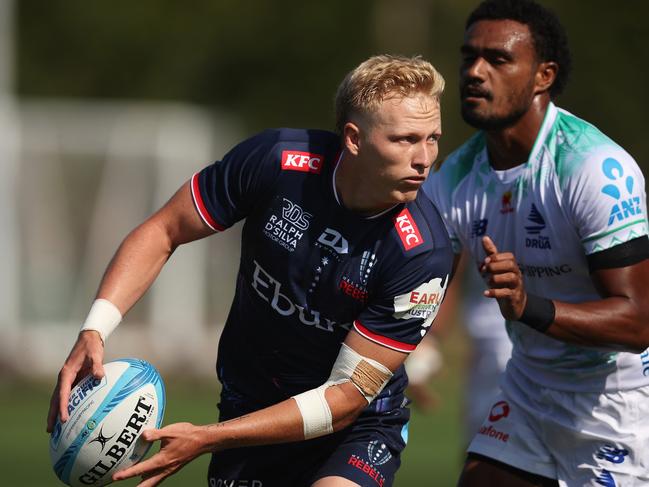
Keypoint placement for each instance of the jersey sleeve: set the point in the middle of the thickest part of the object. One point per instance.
(414, 273)
(400, 317)
(606, 200)
(226, 191)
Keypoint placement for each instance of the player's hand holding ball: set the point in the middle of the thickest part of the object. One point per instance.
(86, 357)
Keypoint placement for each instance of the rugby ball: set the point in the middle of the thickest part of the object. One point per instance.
(107, 417)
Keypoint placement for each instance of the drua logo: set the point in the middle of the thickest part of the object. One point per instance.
(626, 204)
(536, 225)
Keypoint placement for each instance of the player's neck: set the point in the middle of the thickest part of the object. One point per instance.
(511, 147)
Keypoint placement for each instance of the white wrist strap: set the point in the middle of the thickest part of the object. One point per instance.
(102, 318)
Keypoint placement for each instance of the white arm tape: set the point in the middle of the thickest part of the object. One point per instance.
(316, 415)
(102, 318)
(367, 375)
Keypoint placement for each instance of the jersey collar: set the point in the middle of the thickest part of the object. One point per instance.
(539, 144)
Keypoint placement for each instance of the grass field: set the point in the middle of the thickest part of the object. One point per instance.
(432, 458)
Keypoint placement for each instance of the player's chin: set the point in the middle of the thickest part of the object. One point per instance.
(405, 195)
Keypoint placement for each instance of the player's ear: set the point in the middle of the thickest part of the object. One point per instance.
(546, 73)
(351, 138)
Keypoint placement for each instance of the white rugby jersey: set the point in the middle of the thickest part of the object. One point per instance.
(482, 317)
(579, 193)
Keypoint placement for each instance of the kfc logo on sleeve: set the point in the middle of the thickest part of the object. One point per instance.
(407, 230)
(302, 161)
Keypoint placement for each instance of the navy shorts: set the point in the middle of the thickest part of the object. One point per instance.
(368, 452)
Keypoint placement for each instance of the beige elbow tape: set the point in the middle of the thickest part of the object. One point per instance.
(367, 375)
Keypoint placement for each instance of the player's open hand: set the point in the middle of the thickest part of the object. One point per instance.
(86, 357)
(180, 444)
(504, 279)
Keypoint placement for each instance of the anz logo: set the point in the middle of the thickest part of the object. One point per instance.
(537, 225)
(626, 205)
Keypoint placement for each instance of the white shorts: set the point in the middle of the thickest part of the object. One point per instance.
(487, 360)
(580, 439)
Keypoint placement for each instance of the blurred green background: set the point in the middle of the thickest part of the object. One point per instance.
(278, 63)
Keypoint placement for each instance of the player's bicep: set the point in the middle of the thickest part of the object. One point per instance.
(179, 219)
(630, 281)
(388, 357)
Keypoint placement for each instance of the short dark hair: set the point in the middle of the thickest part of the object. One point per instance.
(549, 36)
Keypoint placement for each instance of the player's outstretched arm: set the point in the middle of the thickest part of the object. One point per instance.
(620, 319)
(283, 422)
(131, 271)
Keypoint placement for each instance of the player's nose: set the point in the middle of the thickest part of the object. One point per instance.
(424, 156)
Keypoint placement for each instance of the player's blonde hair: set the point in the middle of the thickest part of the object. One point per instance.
(372, 81)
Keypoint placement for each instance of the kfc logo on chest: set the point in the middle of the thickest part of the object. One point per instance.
(302, 161)
(407, 230)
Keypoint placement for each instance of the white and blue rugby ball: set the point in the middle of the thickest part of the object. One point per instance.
(107, 417)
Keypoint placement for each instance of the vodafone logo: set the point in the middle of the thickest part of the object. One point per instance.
(407, 230)
(301, 161)
(499, 411)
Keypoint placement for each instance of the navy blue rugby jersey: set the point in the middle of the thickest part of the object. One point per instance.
(311, 269)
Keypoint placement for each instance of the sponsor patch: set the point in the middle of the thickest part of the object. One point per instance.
(479, 227)
(270, 290)
(407, 230)
(506, 202)
(377, 455)
(621, 190)
(287, 228)
(492, 432)
(422, 302)
(536, 225)
(302, 161)
(499, 411)
(333, 239)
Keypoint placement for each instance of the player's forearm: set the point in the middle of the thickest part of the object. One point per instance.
(135, 265)
(615, 322)
(280, 423)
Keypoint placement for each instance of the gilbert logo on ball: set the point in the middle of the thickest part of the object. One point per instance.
(107, 417)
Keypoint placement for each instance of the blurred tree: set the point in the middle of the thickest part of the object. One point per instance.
(278, 63)
(268, 61)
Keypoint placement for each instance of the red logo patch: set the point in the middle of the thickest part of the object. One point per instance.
(499, 411)
(425, 298)
(302, 161)
(506, 201)
(352, 290)
(407, 230)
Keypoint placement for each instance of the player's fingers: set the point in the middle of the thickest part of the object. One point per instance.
(509, 280)
(150, 481)
(66, 378)
(152, 434)
(501, 267)
(145, 468)
(54, 410)
(499, 293)
(489, 246)
(98, 368)
(500, 257)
